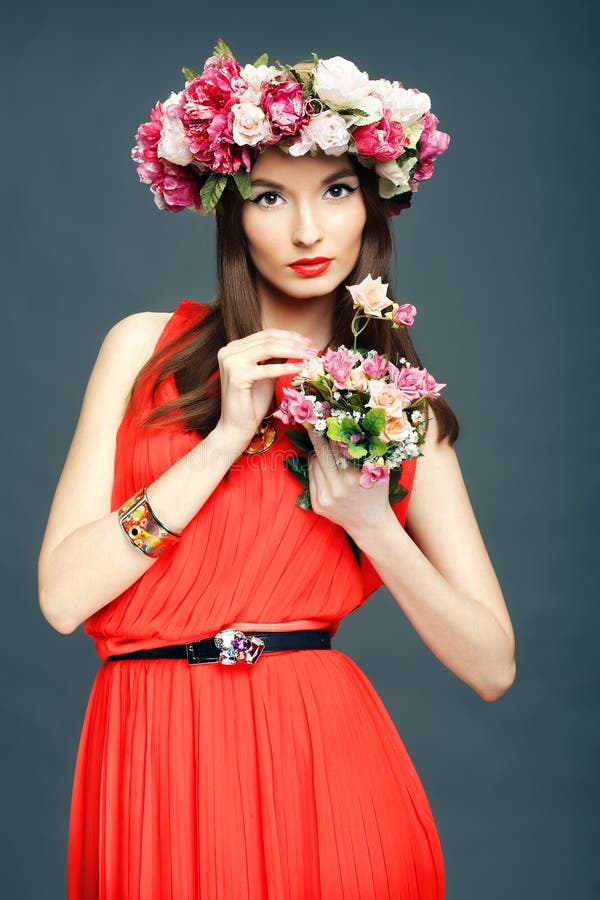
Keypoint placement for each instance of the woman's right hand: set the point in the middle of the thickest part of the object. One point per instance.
(247, 385)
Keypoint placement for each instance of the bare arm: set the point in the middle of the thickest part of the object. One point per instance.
(440, 574)
(86, 560)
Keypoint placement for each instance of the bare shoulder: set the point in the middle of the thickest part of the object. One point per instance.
(138, 333)
(126, 347)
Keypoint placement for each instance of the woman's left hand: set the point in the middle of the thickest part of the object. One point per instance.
(336, 493)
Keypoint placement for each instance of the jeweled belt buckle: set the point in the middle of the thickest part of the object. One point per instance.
(234, 645)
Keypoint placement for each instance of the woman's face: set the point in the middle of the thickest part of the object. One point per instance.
(302, 208)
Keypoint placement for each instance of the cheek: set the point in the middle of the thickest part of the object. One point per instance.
(353, 232)
(351, 225)
(261, 235)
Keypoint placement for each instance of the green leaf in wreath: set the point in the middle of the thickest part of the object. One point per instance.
(343, 107)
(242, 182)
(263, 60)
(189, 74)
(221, 48)
(211, 191)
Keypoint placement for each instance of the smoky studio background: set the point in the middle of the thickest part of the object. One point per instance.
(496, 254)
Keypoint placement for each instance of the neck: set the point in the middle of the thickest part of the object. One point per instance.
(310, 316)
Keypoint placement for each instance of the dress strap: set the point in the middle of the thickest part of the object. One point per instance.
(184, 314)
(181, 318)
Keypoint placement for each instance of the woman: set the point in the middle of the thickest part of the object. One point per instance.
(284, 778)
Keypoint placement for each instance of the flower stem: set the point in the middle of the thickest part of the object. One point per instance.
(355, 329)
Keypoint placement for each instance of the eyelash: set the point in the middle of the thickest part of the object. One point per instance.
(275, 194)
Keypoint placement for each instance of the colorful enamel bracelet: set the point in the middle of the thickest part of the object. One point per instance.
(142, 527)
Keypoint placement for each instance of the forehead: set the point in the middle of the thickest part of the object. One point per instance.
(276, 165)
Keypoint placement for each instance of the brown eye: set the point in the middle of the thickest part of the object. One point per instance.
(343, 187)
(269, 194)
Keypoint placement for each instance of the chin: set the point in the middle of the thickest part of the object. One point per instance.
(319, 284)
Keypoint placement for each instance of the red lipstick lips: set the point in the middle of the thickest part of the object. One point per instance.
(308, 268)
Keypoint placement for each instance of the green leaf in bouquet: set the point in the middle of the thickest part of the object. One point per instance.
(322, 387)
(350, 426)
(357, 400)
(377, 447)
(342, 431)
(355, 548)
(335, 431)
(357, 451)
(374, 421)
(297, 466)
(263, 60)
(397, 491)
(299, 439)
(303, 500)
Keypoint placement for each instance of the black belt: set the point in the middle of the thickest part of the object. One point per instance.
(231, 645)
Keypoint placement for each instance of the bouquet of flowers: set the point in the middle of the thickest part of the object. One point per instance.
(371, 409)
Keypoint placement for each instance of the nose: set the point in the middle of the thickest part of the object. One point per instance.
(307, 229)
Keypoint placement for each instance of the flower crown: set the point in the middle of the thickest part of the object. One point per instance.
(206, 137)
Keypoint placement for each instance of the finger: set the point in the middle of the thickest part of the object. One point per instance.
(315, 474)
(275, 370)
(264, 346)
(323, 449)
(314, 434)
(314, 437)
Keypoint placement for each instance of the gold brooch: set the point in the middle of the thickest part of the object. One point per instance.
(263, 438)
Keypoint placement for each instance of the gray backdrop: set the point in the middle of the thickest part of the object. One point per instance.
(497, 256)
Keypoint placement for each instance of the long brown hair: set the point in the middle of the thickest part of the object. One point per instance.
(191, 357)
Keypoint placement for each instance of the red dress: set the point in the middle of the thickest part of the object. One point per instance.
(284, 780)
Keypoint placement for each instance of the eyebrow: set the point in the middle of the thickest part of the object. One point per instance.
(343, 173)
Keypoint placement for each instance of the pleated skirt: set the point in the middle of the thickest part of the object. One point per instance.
(284, 780)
